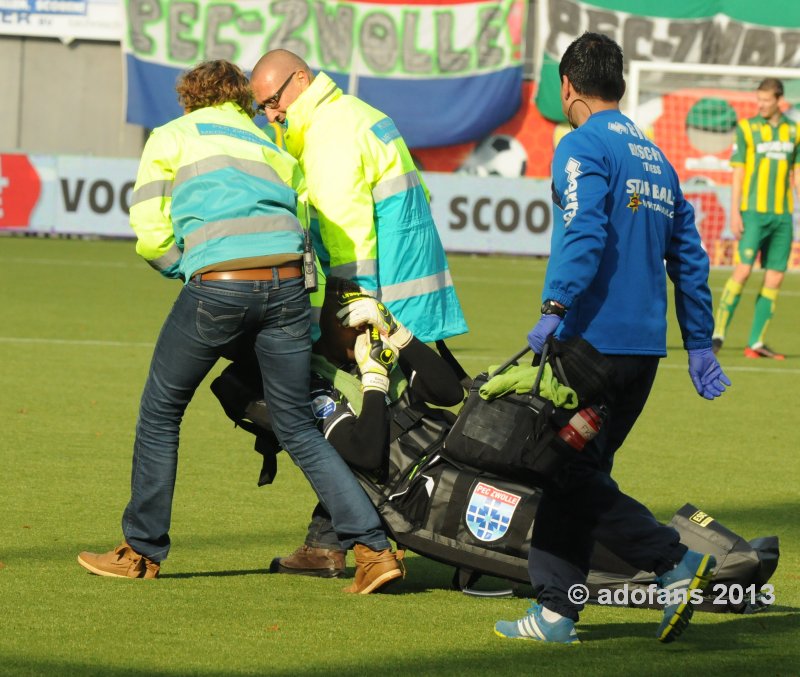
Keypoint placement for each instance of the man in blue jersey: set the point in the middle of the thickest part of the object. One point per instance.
(623, 216)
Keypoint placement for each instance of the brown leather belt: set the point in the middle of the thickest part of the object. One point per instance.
(286, 271)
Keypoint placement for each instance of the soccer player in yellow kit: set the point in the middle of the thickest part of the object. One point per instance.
(765, 158)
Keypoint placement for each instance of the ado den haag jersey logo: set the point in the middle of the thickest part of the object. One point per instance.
(490, 511)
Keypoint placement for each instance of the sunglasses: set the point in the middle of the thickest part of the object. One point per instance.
(273, 101)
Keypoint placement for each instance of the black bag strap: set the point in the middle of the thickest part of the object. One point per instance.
(455, 365)
(556, 351)
(514, 359)
(458, 499)
(511, 360)
(542, 362)
(518, 529)
(406, 417)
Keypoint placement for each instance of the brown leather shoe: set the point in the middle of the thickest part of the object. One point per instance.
(375, 569)
(122, 562)
(308, 561)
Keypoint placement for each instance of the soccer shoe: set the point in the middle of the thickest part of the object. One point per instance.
(308, 561)
(536, 628)
(122, 562)
(693, 572)
(374, 569)
(716, 345)
(763, 351)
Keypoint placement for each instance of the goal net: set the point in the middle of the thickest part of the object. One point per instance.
(690, 111)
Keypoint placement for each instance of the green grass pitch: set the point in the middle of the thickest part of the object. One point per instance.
(77, 327)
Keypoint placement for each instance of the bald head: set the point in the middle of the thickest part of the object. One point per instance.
(279, 77)
(279, 61)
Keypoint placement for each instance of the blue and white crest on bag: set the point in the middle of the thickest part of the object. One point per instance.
(490, 511)
(322, 406)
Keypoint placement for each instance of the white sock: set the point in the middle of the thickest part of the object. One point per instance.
(550, 616)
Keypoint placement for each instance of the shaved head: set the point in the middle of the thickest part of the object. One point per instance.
(279, 63)
(279, 77)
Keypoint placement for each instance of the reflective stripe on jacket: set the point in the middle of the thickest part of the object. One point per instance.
(375, 224)
(212, 187)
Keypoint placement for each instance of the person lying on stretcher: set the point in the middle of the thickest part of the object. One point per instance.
(366, 367)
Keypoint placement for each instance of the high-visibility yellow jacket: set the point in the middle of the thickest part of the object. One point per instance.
(374, 219)
(212, 188)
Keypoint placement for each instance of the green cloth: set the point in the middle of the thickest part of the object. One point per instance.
(520, 379)
(712, 115)
(350, 385)
(548, 93)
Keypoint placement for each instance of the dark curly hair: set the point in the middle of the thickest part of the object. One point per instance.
(212, 83)
(337, 286)
(593, 64)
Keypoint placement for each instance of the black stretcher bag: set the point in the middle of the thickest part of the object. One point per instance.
(743, 567)
(467, 518)
(480, 522)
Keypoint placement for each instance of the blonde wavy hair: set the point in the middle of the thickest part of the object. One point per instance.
(212, 83)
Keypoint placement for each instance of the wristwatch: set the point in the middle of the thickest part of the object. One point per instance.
(551, 307)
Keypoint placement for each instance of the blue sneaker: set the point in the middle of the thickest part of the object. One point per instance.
(693, 572)
(538, 629)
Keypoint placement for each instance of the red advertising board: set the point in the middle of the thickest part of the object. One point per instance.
(20, 188)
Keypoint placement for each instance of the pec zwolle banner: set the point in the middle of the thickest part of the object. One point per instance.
(445, 71)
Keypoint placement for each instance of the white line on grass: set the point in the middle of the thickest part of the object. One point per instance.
(726, 369)
(75, 342)
(486, 359)
(485, 280)
(472, 357)
(503, 281)
(755, 290)
(68, 262)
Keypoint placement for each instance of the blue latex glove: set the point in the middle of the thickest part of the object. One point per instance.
(708, 378)
(546, 325)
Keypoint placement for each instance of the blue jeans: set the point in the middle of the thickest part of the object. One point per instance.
(207, 319)
(321, 533)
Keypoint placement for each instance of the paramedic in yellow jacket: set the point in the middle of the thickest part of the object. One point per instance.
(374, 218)
(215, 205)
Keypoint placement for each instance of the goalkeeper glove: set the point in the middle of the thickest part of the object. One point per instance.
(375, 358)
(360, 309)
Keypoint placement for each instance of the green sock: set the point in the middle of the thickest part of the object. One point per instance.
(765, 307)
(731, 294)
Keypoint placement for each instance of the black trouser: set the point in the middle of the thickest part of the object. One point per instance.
(586, 504)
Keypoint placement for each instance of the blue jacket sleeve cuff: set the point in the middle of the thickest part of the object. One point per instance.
(564, 299)
(697, 345)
